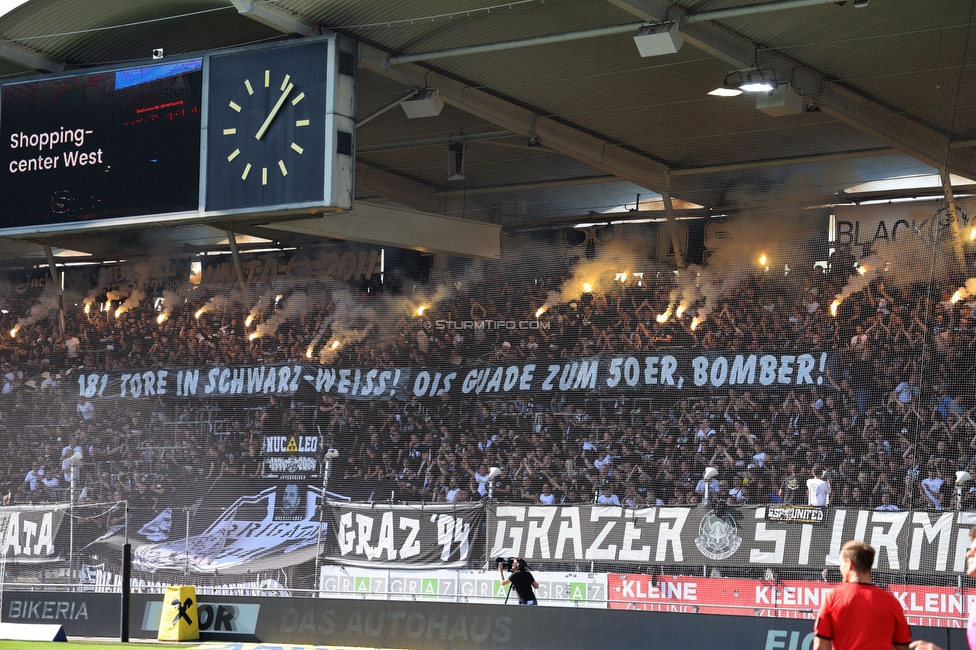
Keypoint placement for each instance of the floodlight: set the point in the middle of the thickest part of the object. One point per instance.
(758, 86)
(756, 80)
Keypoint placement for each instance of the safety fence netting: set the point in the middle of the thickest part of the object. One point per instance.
(766, 560)
(602, 371)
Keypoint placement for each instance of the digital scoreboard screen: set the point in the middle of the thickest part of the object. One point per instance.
(83, 148)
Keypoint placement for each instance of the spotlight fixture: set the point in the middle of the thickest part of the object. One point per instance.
(655, 40)
(157, 53)
(426, 103)
(457, 148)
(756, 80)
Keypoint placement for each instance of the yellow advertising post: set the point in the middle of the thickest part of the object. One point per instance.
(178, 621)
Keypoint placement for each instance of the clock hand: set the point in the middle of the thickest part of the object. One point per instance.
(274, 111)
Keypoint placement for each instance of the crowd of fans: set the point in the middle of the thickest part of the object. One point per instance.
(888, 430)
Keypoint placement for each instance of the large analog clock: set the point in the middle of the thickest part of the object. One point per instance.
(261, 149)
(266, 120)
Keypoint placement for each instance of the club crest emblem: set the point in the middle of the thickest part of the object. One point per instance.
(717, 538)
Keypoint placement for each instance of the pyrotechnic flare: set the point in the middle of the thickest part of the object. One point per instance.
(253, 336)
(833, 307)
(13, 333)
(47, 304)
(540, 311)
(263, 302)
(170, 300)
(131, 302)
(694, 323)
(335, 345)
(680, 310)
(965, 291)
(663, 318)
(587, 287)
(87, 308)
(308, 352)
(199, 313)
(762, 260)
(420, 310)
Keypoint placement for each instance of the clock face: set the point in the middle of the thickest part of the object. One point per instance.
(266, 128)
(286, 106)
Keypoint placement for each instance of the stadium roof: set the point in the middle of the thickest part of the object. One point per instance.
(559, 130)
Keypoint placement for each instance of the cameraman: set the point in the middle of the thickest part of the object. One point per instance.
(521, 579)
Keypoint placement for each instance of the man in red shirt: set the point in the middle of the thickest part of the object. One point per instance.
(858, 614)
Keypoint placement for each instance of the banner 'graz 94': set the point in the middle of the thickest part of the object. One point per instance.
(928, 542)
(403, 536)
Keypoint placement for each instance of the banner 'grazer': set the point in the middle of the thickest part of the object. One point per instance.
(926, 542)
